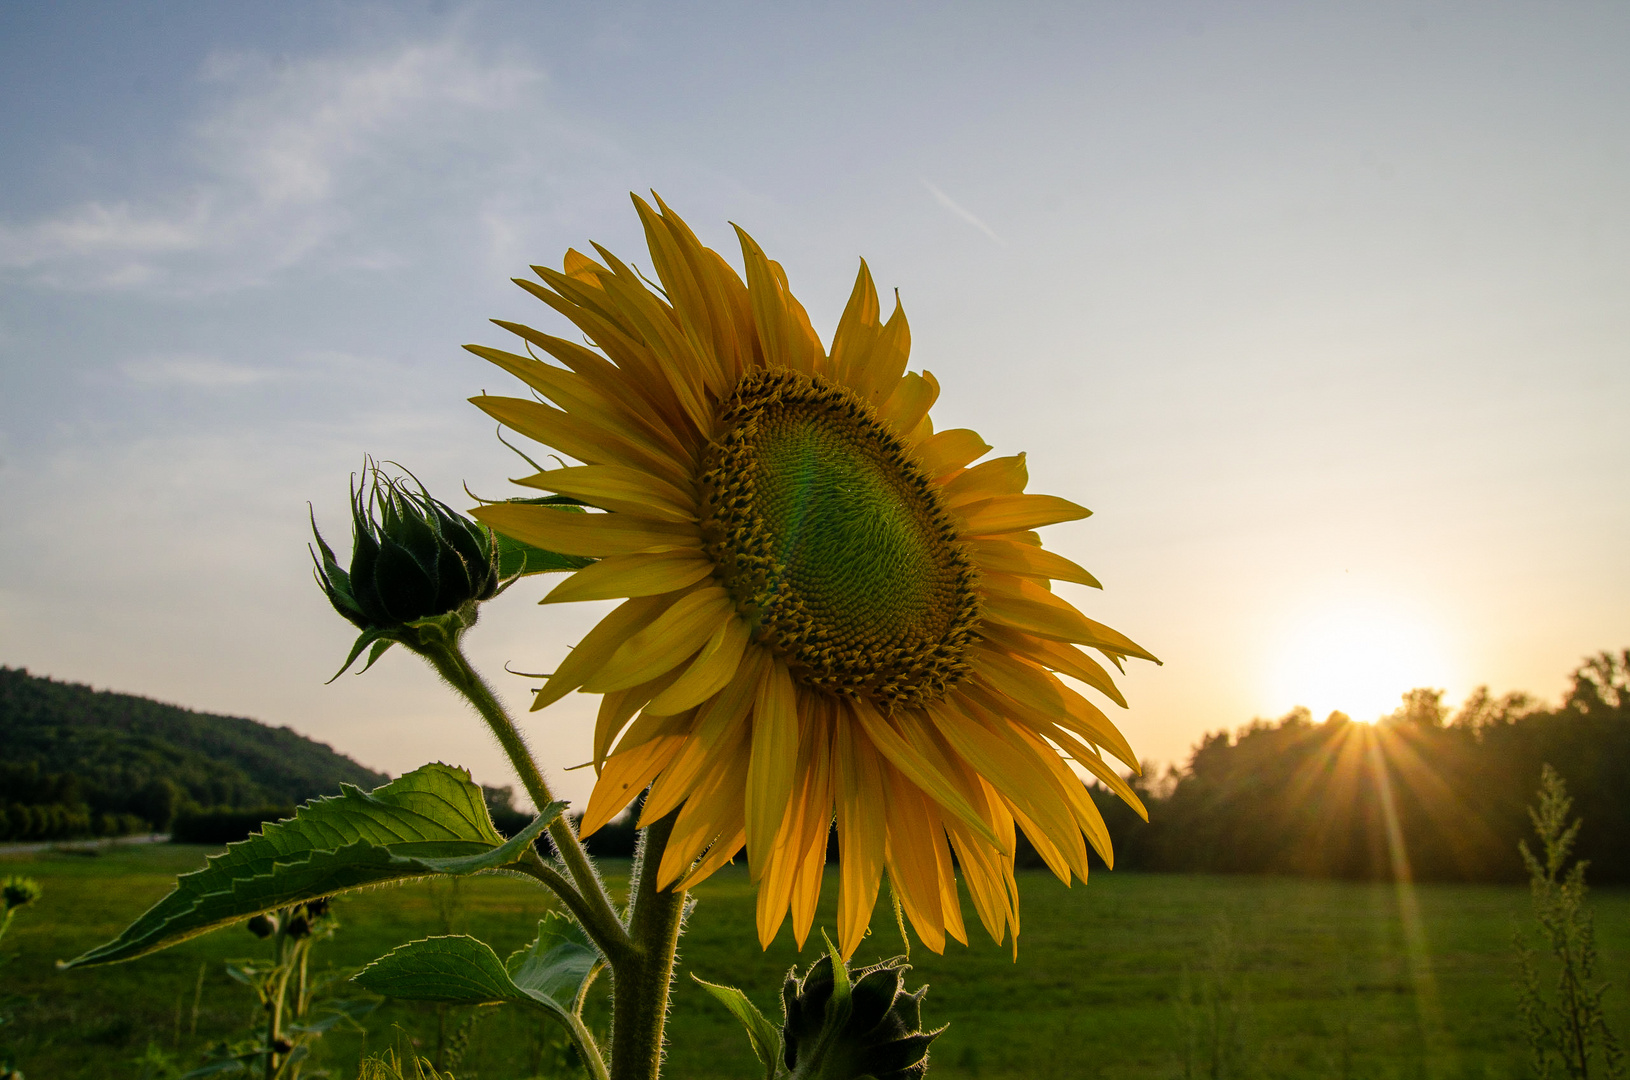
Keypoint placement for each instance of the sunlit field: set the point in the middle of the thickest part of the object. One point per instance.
(1129, 976)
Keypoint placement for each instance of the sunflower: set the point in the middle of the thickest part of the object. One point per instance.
(829, 611)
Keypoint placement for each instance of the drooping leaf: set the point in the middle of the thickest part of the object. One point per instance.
(431, 821)
(765, 1036)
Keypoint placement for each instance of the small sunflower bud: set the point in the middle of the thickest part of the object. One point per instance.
(18, 891)
(417, 567)
(860, 1024)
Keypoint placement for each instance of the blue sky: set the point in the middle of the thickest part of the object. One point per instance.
(1321, 308)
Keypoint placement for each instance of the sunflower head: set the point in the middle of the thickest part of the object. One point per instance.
(830, 612)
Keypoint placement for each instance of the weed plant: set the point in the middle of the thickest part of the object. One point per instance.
(1568, 1031)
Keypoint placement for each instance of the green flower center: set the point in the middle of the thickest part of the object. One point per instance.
(834, 544)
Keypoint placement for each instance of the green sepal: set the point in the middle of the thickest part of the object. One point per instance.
(765, 1036)
(433, 820)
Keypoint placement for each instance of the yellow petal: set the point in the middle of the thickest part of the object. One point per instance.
(981, 870)
(947, 451)
(861, 831)
(682, 265)
(913, 871)
(1020, 777)
(608, 487)
(998, 476)
(672, 638)
(714, 810)
(1050, 618)
(599, 406)
(879, 370)
(717, 727)
(858, 328)
(644, 574)
(1030, 688)
(596, 647)
(618, 708)
(1077, 797)
(773, 764)
(913, 396)
(588, 309)
(555, 529)
(625, 776)
(1057, 655)
(912, 765)
(720, 853)
(776, 315)
(637, 403)
(1015, 513)
(1008, 557)
(811, 825)
(580, 436)
(1084, 754)
(710, 672)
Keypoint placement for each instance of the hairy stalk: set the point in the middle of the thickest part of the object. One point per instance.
(588, 901)
(640, 990)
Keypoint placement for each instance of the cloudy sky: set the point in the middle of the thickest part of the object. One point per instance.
(1321, 308)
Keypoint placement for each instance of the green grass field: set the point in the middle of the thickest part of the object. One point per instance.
(1117, 978)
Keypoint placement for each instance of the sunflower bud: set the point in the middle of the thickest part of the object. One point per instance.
(417, 567)
(18, 891)
(841, 1025)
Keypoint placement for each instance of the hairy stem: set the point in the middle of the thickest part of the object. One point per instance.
(640, 998)
(589, 900)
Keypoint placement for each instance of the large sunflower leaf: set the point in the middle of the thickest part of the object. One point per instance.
(431, 821)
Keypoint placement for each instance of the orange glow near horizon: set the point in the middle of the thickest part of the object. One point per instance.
(1357, 657)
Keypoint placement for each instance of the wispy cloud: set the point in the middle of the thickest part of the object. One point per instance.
(963, 212)
(322, 155)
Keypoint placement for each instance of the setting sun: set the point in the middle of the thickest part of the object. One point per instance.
(1356, 657)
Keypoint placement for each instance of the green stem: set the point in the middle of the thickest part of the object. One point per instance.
(640, 990)
(589, 900)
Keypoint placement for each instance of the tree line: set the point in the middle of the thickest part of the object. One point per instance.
(1434, 794)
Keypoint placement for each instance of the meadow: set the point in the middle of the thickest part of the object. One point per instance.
(1131, 976)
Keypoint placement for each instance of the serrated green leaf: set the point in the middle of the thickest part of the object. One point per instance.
(457, 970)
(430, 821)
(765, 1036)
(460, 970)
(558, 961)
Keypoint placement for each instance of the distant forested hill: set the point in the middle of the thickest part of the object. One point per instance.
(119, 756)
